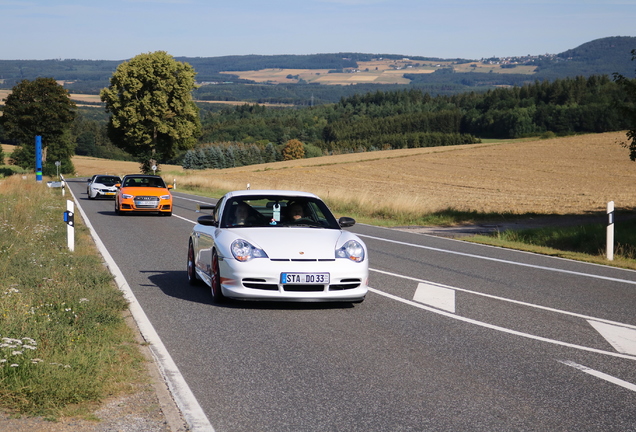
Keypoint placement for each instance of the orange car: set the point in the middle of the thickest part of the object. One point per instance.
(143, 193)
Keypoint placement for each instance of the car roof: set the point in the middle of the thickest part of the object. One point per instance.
(269, 192)
(142, 175)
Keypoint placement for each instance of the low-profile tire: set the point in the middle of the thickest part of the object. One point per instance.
(193, 279)
(217, 293)
(117, 211)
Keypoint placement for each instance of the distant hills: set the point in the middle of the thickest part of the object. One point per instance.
(604, 56)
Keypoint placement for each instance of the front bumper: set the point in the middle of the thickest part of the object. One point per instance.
(132, 204)
(259, 279)
(105, 193)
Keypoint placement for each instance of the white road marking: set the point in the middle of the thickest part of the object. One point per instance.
(498, 328)
(549, 309)
(190, 199)
(623, 339)
(436, 296)
(601, 375)
(185, 219)
(502, 260)
(192, 412)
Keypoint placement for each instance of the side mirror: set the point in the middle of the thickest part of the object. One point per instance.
(346, 222)
(205, 207)
(169, 186)
(207, 220)
(118, 185)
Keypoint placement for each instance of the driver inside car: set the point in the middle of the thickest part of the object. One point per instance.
(296, 212)
(241, 214)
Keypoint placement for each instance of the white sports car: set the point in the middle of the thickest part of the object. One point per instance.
(102, 186)
(277, 245)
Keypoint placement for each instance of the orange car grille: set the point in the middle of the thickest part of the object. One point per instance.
(146, 201)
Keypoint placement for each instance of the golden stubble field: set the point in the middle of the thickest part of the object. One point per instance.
(572, 175)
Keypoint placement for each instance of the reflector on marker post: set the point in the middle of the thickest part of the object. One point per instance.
(69, 218)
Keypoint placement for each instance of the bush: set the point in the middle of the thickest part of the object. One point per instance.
(9, 170)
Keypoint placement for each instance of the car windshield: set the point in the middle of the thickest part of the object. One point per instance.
(277, 211)
(144, 182)
(107, 180)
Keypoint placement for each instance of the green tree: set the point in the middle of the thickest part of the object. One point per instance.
(629, 109)
(152, 114)
(40, 107)
(293, 149)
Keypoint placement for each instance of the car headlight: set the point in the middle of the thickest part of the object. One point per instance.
(165, 197)
(245, 251)
(126, 196)
(352, 250)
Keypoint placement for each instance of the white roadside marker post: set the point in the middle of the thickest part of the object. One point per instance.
(69, 218)
(610, 231)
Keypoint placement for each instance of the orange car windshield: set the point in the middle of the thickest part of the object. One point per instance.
(144, 182)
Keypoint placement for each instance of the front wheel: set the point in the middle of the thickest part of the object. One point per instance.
(217, 293)
(193, 279)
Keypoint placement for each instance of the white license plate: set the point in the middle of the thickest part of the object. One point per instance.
(304, 278)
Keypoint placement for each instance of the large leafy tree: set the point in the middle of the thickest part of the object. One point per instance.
(629, 108)
(40, 107)
(152, 114)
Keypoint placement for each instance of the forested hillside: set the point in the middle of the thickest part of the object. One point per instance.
(409, 118)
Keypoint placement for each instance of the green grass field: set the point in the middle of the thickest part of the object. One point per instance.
(64, 343)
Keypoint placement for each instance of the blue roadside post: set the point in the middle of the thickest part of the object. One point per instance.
(38, 158)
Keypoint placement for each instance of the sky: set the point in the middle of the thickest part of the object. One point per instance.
(467, 29)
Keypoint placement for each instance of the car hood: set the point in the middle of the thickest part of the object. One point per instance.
(295, 243)
(147, 191)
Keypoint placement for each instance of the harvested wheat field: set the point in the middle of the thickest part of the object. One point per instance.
(86, 166)
(572, 175)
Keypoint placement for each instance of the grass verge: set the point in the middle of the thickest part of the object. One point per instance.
(64, 342)
(582, 242)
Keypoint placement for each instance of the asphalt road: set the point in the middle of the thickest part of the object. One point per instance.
(452, 337)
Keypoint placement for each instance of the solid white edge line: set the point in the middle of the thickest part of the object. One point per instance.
(501, 329)
(192, 412)
(549, 309)
(501, 260)
(601, 375)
